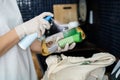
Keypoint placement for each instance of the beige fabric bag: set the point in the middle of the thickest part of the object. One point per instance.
(77, 68)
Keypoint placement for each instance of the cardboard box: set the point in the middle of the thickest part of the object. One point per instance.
(65, 13)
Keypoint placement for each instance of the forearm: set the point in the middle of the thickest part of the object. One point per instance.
(36, 47)
(7, 41)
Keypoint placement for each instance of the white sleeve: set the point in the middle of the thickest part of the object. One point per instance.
(3, 27)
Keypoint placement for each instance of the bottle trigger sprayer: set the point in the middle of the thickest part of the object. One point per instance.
(28, 40)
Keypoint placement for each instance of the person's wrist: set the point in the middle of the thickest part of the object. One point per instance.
(20, 32)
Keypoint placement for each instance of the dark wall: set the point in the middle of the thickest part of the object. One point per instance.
(105, 32)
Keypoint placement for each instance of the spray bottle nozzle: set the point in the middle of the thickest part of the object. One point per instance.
(48, 18)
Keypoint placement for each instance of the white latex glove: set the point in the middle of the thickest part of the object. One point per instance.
(51, 46)
(66, 48)
(37, 24)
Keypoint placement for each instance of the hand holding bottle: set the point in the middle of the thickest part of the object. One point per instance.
(37, 24)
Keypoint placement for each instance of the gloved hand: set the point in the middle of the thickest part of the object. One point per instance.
(37, 24)
(66, 48)
(53, 47)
